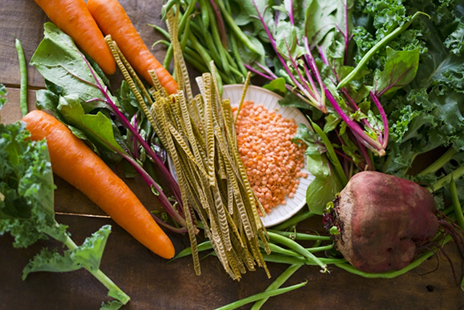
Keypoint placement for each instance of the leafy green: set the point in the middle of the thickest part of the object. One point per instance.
(400, 69)
(66, 68)
(27, 208)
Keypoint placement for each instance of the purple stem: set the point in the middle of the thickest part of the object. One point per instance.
(290, 12)
(135, 146)
(173, 184)
(220, 24)
(311, 62)
(159, 164)
(393, 84)
(364, 154)
(346, 34)
(289, 72)
(267, 70)
(258, 72)
(356, 129)
(303, 81)
(311, 81)
(355, 107)
(149, 180)
(383, 115)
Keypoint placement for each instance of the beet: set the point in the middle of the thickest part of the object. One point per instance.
(383, 221)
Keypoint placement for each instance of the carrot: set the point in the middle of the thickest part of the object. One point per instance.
(74, 18)
(73, 161)
(113, 20)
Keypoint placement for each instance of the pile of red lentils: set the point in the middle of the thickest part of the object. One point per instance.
(273, 163)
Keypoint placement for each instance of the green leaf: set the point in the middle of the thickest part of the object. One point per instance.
(90, 253)
(96, 126)
(26, 181)
(277, 85)
(67, 68)
(51, 261)
(400, 69)
(320, 191)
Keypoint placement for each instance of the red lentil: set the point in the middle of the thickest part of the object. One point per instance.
(273, 163)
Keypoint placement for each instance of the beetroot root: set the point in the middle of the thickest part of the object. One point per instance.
(382, 220)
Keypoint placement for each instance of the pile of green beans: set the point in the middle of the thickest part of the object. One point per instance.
(208, 33)
(286, 249)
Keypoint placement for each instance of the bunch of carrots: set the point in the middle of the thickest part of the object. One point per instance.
(88, 23)
(71, 158)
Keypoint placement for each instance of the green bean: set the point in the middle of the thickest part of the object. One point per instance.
(185, 35)
(262, 295)
(277, 283)
(204, 246)
(300, 236)
(210, 45)
(279, 250)
(188, 50)
(168, 57)
(183, 20)
(237, 56)
(194, 62)
(297, 248)
(235, 29)
(207, 59)
(374, 50)
(163, 42)
(391, 274)
(204, 13)
(23, 74)
(218, 42)
(300, 216)
(161, 30)
(315, 249)
(285, 259)
(168, 6)
(456, 204)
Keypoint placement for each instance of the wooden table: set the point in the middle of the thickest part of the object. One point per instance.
(151, 281)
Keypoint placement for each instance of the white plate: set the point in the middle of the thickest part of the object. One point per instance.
(271, 101)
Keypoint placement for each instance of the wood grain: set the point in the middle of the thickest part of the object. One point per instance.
(152, 282)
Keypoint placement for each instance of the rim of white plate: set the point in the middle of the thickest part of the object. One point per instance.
(270, 100)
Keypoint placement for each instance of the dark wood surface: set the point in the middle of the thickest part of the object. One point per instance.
(152, 282)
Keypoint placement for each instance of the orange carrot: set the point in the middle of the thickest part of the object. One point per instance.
(74, 18)
(73, 161)
(113, 20)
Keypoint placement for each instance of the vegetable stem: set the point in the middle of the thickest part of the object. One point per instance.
(440, 162)
(455, 174)
(114, 290)
(456, 204)
(391, 274)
